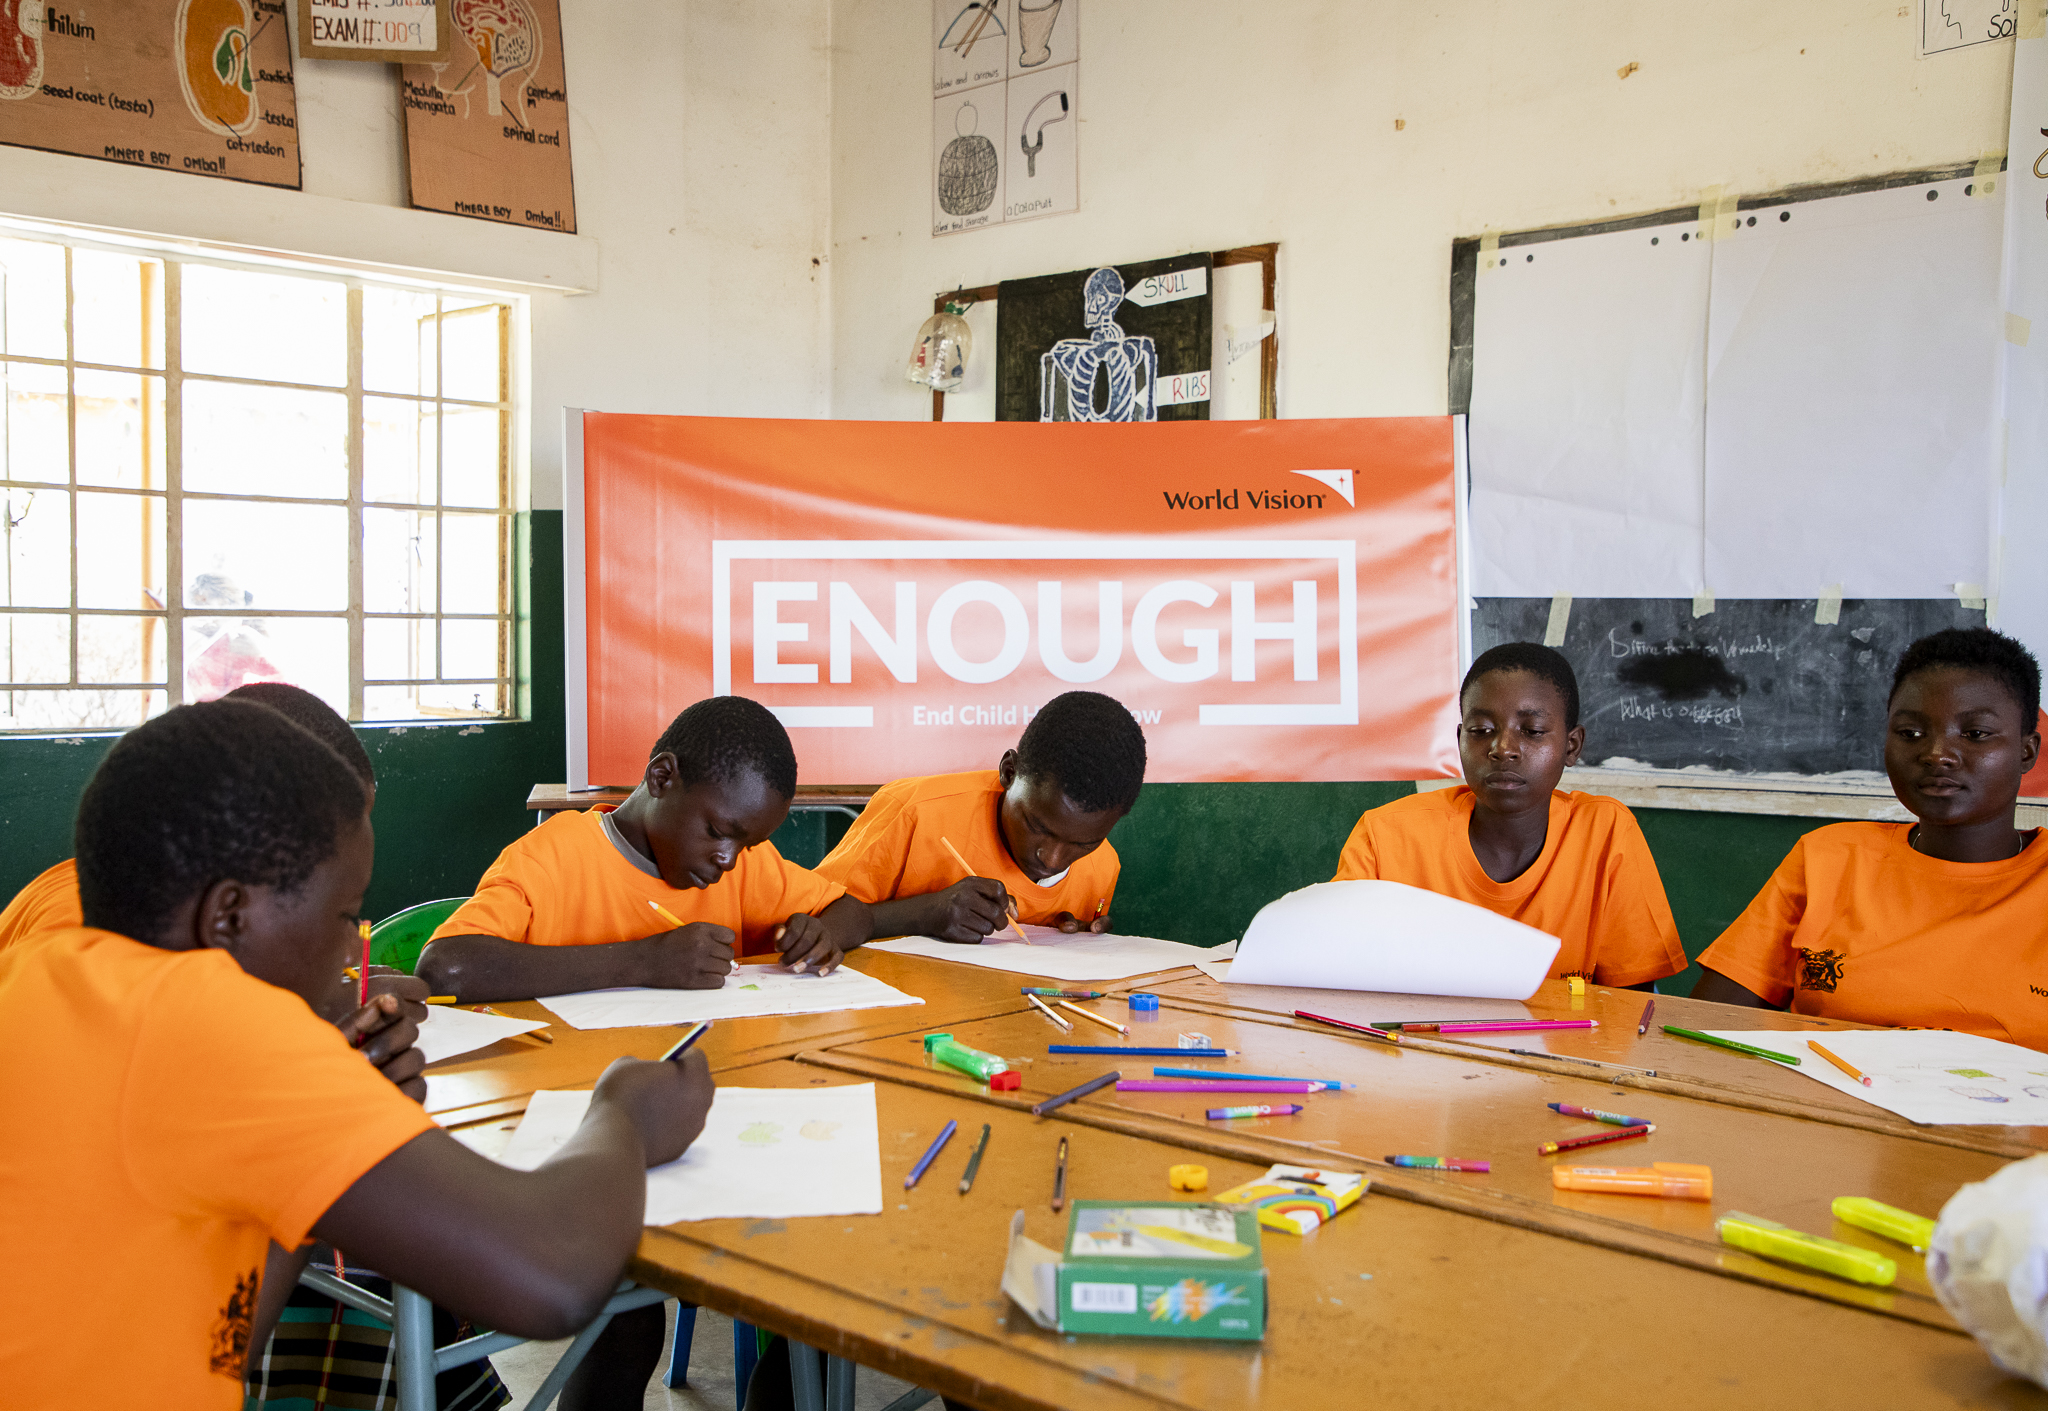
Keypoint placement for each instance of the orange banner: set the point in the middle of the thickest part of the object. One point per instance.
(1273, 600)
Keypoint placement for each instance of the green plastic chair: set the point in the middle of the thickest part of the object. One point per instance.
(399, 938)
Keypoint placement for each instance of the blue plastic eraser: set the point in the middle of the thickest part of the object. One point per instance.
(1144, 1003)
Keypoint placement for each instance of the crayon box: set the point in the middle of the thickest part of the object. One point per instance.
(1160, 1270)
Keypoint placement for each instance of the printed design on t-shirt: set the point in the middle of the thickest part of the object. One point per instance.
(1821, 969)
(231, 1327)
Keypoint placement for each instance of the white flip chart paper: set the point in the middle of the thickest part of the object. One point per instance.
(1053, 955)
(755, 991)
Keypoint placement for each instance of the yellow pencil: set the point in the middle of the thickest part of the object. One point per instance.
(972, 873)
(1091, 1014)
(538, 1034)
(444, 999)
(665, 914)
(1858, 1076)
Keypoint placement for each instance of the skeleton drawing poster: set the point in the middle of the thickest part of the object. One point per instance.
(487, 131)
(1114, 343)
(1005, 111)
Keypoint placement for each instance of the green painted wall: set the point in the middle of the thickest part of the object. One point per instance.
(1199, 859)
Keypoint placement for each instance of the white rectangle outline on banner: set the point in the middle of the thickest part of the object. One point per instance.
(575, 609)
(1344, 552)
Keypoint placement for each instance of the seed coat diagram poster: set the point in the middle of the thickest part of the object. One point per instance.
(198, 86)
(487, 131)
(1006, 93)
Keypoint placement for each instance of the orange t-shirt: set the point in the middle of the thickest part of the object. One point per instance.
(49, 903)
(1594, 886)
(168, 1116)
(566, 884)
(1856, 925)
(893, 849)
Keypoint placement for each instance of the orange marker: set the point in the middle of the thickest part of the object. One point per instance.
(1671, 1179)
(948, 842)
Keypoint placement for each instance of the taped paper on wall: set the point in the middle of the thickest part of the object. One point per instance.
(1971, 594)
(2018, 330)
(1489, 250)
(1984, 180)
(1828, 611)
(1560, 619)
(1718, 217)
(1702, 603)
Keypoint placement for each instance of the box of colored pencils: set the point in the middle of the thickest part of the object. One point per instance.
(1163, 1271)
(1297, 1199)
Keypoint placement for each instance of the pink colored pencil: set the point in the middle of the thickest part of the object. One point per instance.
(1242, 1085)
(1519, 1026)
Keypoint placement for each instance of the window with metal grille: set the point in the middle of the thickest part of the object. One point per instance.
(212, 474)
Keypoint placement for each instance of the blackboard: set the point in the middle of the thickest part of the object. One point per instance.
(1032, 315)
(1756, 686)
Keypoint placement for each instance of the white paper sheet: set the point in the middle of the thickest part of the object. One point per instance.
(1924, 1075)
(1053, 955)
(449, 1031)
(2022, 586)
(1389, 936)
(1587, 404)
(755, 991)
(765, 1153)
(1852, 374)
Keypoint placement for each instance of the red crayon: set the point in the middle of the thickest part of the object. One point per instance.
(1594, 1139)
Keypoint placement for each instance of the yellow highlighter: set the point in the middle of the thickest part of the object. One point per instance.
(1775, 1241)
(1887, 1220)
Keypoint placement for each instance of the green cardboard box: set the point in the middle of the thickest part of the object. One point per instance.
(1177, 1270)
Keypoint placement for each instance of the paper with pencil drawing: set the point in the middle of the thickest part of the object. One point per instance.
(1055, 955)
(755, 991)
(1930, 1076)
(764, 1153)
(448, 1031)
(1393, 937)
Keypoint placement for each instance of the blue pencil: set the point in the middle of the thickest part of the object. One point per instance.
(1330, 1083)
(1143, 1052)
(945, 1135)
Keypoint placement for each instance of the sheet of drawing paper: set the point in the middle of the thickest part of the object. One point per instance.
(1929, 1076)
(757, 990)
(1588, 382)
(2023, 571)
(1852, 370)
(1392, 937)
(764, 1153)
(1053, 955)
(447, 1031)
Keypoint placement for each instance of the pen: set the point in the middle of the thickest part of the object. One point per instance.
(974, 1161)
(540, 1034)
(1064, 1024)
(1612, 1119)
(1594, 1139)
(697, 1031)
(931, 1154)
(1118, 1051)
(1063, 994)
(1643, 1024)
(948, 842)
(1040, 1109)
(1059, 1178)
(1589, 1062)
(1385, 1035)
(1730, 1043)
(1090, 1014)
(1439, 1163)
(1855, 1073)
(1224, 1114)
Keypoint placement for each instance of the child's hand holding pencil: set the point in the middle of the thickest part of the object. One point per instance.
(386, 1033)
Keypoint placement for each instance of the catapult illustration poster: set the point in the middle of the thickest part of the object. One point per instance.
(1006, 99)
(487, 131)
(1116, 343)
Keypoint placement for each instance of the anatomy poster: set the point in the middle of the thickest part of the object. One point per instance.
(1005, 111)
(199, 86)
(487, 131)
(1117, 343)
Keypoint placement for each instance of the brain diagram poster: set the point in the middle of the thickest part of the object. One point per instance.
(487, 132)
(1006, 93)
(199, 86)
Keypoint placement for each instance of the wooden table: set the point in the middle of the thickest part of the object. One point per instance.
(1481, 1288)
(548, 799)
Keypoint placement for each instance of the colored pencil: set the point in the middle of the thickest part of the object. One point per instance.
(1224, 1114)
(1855, 1073)
(697, 1031)
(1101, 905)
(1090, 1014)
(1594, 1114)
(1210, 1073)
(1116, 1051)
(1593, 1139)
(1438, 1163)
(1643, 1024)
(1040, 1109)
(542, 1035)
(1730, 1044)
(1059, 1178)
(363, 975)
(1063, 994)
(1385, 1035)
(444, 999)
(974, 1161)
(1517, 1027)
(1188, 1085)
(931, 1153)
(1589, 1062)
(972, 873)
(1040, 1004)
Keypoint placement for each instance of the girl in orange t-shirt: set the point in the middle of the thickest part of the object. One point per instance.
(1942, 923)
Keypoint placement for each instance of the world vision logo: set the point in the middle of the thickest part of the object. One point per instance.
(1821, 969)
(1247, 498)
(2038, 990)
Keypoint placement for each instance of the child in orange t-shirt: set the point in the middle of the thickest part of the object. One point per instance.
(176, 1106)
(1939, 924)
(1035, 829)
(1574, 866)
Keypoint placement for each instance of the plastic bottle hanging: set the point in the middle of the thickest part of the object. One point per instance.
(939, 361)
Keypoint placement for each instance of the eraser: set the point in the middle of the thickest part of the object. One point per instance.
(1188, 1178)
(1006, 1082)
(1576, 984)
(1145, 1004)
(1195, 1041)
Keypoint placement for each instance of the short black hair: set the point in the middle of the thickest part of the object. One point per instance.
(1980, 649)
(1544, 663)
(314, 716)
(1090, 744)
(725, 737)
(225, 791)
